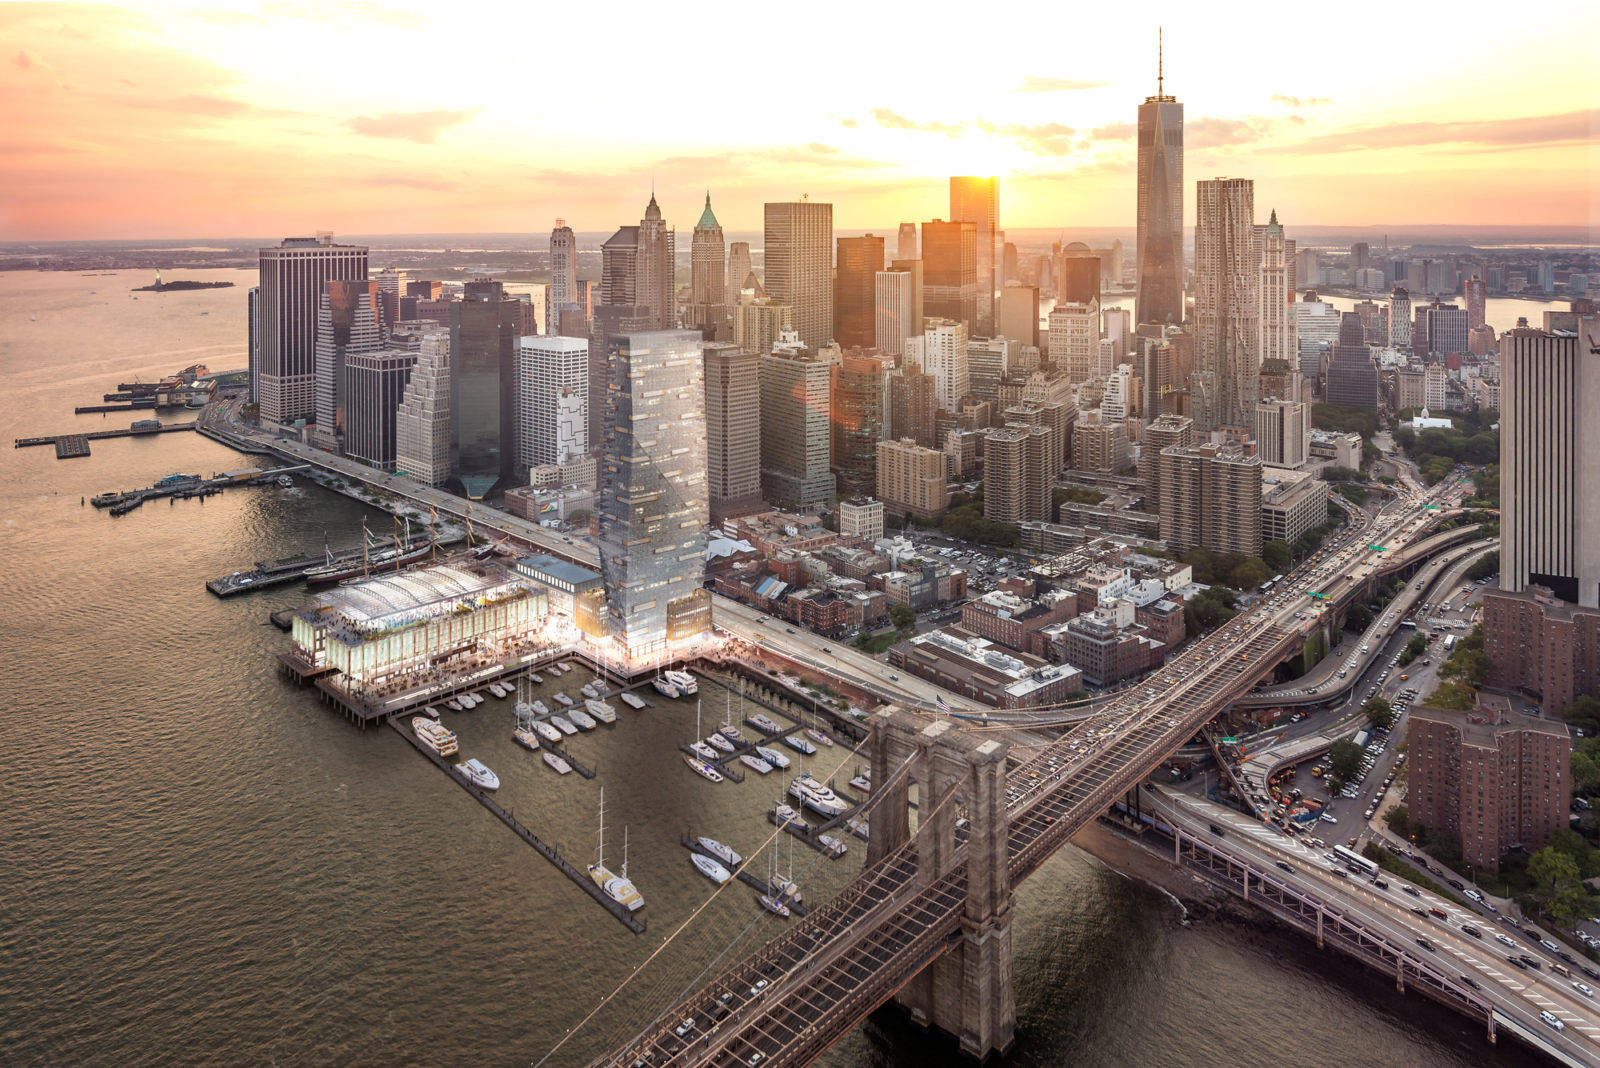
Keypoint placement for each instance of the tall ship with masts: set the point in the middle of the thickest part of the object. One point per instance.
(375, 558)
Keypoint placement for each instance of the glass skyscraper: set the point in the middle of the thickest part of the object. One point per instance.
(484, 327)
(1160, 210)
(652, 501)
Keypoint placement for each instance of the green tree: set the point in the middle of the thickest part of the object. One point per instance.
(903, 616)
(1585, 775)
(1353, 493)
(1550, 869)
(1359, 617)
(1248, 573)
(1414, 648)
(1345, 759)
(1485, 567)
(1398, 819)
(1584, 713)
(579, 517)
(1379, 712)
(1276, 555)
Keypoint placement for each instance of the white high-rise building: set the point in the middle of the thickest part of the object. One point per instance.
(1118, 393)
(1282, 433)
(652, 501)
(349, 323)
(1277, 338)
(1227, 301)
(1549, 480)
(1075, 338)
(1400, 319)
(944, 356)
(422, 421)
(549, 368)
(893, 310)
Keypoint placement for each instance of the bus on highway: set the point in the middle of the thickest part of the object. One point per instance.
(1356, 860)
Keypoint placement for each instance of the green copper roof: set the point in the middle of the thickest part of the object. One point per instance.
(708, 221)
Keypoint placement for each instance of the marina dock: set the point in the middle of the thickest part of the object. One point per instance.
(540, 846)
(742, 874)
(181, 486)
(73, 445)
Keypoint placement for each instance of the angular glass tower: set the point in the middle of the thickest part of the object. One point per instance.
(652, 502)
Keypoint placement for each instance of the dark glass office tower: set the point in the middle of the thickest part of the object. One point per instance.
(484, 327)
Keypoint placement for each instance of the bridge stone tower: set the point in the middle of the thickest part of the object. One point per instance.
(967, 991)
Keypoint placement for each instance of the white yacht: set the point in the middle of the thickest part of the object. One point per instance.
(858, 827)
(685, 682)
(547, 732)
(702, 769)
(862, 782)
(783, 814)
(477, 773)
(541, 709)
(720, 851)
(703, 751)
(561, 766)
(563, 700)
(601, 711)
(581, 718)
(453, 705)
(784, 889)
(535, 677)
(730, 732)
(431, 712)
(616, 886)
(563, 724)
(588, 690)
(710, 868)
(763, 723)
(494, 688)
(633, 700)
(754, 763)
(798, 744)
(817, 797)
(832, 845)
(719, 742)
(435, 736)
(772, 756)
(526, 738)
(664, 686)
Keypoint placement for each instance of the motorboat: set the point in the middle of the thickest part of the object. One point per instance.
(782, 814)
(710, 868)
(588, 690)
(564, 725)
(581, 719)
(798, 744)
(478, 774)
(633, 700)
(431, 712)
(601, 711)
(817, 797)
(704, 751)
(436, 736)
(468, 700)
(535, 677)
(541, 709)
(773, 905)
(719, 742)
(546, 731)
(664, 686)
(453, 705)
(563, 700)
(832, 845)
(732, 733)
(526, 738)
(862, 782)
(819, 737)
(561, 767)
(685, 682)
(772, 756)
(615, 886)
(762, 722)
(494, 688)
(720, 851)
(702, 769)
(754, 763)
(858, 827)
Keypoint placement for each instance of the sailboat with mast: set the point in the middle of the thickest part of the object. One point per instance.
(390, 558)
(617, 887)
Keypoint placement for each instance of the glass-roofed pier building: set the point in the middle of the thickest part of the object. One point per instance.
(415, 625)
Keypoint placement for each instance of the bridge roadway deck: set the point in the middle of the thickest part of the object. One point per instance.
(854, 953)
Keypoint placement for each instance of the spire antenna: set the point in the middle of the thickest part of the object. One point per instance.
(1160, 71)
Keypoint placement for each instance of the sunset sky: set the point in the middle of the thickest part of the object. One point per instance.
(259, 120)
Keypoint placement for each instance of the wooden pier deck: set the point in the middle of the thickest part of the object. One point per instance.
(540, 846)
(68, 446)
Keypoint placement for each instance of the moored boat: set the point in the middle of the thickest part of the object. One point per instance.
(541, 709)
(581, 718)
(782, 814)
(784, 889)
(704, 751)
(773, 905)
(764, 723)
(863, 782)
(730, 732)
(702, 769)
(563, 700)
(563, 724)
(686, 683)
(588, 690)
(547, 732)
(832, 846)
(754, 763)
(817, 797)
(720, 851)
(526, 738)
(664, 686)
(434, 735)
(710, 868)
(798, 744)
(453, 705)
(477, 772)
(561, 767)
(633, 700)
(772, 756)
(858, 827)
(601, 711)
(719, 742)
(431, 712)
(819, 737)
(615, 886)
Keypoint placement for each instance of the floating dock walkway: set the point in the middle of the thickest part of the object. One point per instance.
(72, 445)
(543, 848)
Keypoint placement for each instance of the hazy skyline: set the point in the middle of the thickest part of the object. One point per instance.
(282, 118)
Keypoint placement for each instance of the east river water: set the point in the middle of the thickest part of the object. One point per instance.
(200, 863)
